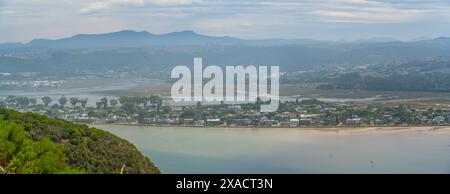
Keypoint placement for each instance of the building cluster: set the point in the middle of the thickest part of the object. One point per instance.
(306, 113)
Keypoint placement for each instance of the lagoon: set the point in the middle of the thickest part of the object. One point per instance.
(239, 150)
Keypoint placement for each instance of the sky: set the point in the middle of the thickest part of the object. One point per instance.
(24, 20)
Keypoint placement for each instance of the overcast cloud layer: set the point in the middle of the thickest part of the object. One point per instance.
(24, 20)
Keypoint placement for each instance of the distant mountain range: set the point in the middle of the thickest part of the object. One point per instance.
(129, 38)
(147, 53)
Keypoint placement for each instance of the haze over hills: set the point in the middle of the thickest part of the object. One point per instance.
(154, 55)
(129, 38)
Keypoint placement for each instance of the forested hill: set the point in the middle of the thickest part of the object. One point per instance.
(31, 143)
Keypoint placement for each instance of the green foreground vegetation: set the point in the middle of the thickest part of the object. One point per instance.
(35, 144)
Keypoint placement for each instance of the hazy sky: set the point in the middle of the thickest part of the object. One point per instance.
(23, 20)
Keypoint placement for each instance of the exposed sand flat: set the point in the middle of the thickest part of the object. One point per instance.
(379, 129)
(317, 129)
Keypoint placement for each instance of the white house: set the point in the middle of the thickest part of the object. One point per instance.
(294, 122)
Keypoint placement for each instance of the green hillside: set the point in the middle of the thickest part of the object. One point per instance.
(31, 143)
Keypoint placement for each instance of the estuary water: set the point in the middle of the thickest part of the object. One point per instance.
(226, 150)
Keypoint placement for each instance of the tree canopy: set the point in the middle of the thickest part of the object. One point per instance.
(32, 143)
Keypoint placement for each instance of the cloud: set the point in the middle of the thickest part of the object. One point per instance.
(101, 5)
(7, 12)
(249, 19)
(107, 4)
(174, 2)
(370, 15)
(357, 11)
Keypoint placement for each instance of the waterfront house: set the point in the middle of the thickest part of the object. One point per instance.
(379, 122)
(214, 121)
(311, 118)
(173, 121)
(353, 121)
(422, 118)
(388, 117)
(241, 122)
(86, 119)
(188, 121)
(148, 121)
(199, 123)
(440, 120)
(269, 122)
(294, 122)
(123, 120)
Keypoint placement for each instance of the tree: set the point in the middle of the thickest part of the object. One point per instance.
(63, 101)
(99, 105)
(113, 102)
(145, 101)
(129, 108)
(46, 100)
(33, 101)
(199, 105)
(38, 150)
(42, 157)
(73, 101)
(54, 106)
(22, 101)
(104, 101)
(23, 155)
(123, 99)
(258, 103)
(156, 100)
(11, 100)
(83, 102)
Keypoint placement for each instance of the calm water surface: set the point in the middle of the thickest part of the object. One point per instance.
(216, 150)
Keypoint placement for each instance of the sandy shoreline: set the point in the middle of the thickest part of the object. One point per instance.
(320, 129)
